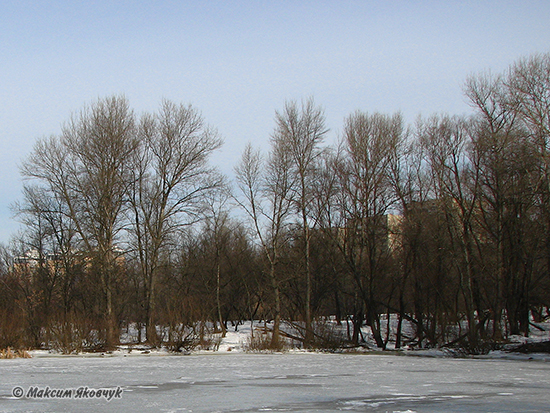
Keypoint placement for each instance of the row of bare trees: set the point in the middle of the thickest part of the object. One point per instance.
(442, 226)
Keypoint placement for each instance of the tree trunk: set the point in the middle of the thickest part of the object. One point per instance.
(309, 329)
(218, 301)
(275, 338)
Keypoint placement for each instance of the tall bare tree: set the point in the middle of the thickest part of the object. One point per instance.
(509, 148)
(529, 84)
(266, 197)
(89, 168)
(369, 142)
(300, 131)
(171, 182)
(456, 187)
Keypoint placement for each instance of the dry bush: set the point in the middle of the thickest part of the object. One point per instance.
(182, 338)
(75, 336)
(11, 330)
(185, 338)
(207, 338)
(210, 342)
(258, 342)
(263, 341)
(328, 335)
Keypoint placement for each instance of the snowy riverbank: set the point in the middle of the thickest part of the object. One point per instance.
(237, 340)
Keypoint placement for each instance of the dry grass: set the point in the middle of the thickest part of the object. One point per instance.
(262, 341)
(8, 353)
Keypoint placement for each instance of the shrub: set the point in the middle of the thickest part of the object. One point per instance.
(75, 336)
(11, 331)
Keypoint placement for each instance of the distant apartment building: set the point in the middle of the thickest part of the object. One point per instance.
(383, 231)
(27, 264)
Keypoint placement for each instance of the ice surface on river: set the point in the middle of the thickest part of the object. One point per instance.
(293, 382)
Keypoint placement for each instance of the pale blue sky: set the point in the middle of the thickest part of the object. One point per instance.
(238, 61)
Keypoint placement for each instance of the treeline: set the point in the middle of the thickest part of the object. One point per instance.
(445, 224)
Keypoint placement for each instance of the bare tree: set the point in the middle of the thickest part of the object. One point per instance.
(89, 168)
(456, 185)
(300, 132)
(51, 234)
(266, 198)
(218, 231)
(510, 147)
(369, 143)
(171, 182)
(529, 85)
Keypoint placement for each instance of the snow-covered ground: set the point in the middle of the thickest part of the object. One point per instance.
(294, 382)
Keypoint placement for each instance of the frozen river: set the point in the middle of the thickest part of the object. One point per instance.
(239, 382)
